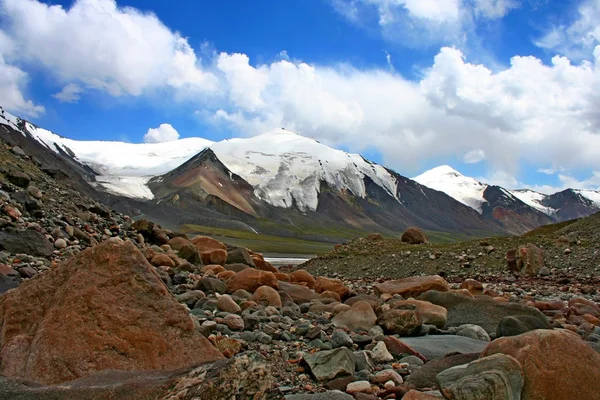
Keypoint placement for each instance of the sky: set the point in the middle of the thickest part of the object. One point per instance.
(507, 91)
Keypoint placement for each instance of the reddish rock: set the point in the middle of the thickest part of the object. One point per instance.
(268, 296)
(251, 279)
(360, 316)
(413, 286)
(300, 294)
(397, 347)
(228, 346)
(160, 260)
(105, 308)
(227, 304)
(225, 275)
(216, 256)
(526, 260)
(584, 306)
(557, 364)
(414, 236)
(331, 285)
(401, 322)
(429, 312)
(204, 243)
(303, 276)
(263, 265)
(283, 277)
(177, 242)
(473, 286)
(330, 295)
(416, 395)
(213, 269)
(549, 305)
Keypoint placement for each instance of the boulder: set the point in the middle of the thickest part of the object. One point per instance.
(360, 316)
(299, 294)
(263, 265)
(105, 308)
(27, 241)
(211, 285)
(251, 279)
(437, 346)
(518, 324)
(215, 256)
(482, 311)
(329, 395)
(240, 255)
(430, 313)
(416, 395)
(179, 241)
(526, 260)
(497, 377)
(400, 322)
(323, 284)
(330, 364)
(425, 376)
(268, 296)
(190, 253)
(204, 243)
(18, 178)
(227, 304)
(162, 260)
(398, 348)
(413, 286)
(556, 364)
(474, 287)
(414, 236)
(303, 276)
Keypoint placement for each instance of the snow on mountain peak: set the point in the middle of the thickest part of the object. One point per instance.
(444, 178)
(287, 169)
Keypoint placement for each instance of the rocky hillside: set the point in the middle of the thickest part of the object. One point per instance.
(96, 305)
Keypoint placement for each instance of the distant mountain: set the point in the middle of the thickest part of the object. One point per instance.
(278, 182)
(516, 210)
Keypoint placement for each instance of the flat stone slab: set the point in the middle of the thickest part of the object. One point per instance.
(331, 395)
(437, 346)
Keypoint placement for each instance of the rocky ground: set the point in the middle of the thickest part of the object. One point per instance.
(96, 305)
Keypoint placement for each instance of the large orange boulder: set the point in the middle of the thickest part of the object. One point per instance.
(216, 256)
(263, 265)
(413, 286)
(204, 243)
(430, 313)
(177, 242)
(105, 308)
(267, 295)
(303, 276)
(557, 364)
(299, 294)
(414, 236)
(251, 279)
(527, 260)
(331, 285)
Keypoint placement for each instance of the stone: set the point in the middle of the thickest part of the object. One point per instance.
(104, 308)
(414, 235)
(211, 285)
(26, 241)
(215, 256)
(526, 260)
(177, 242)
(556, 364)
(239, 255)
(413, 286)
(482, 311)
(251, 279)
(497, 377)
(474, 287)
(229, 347)
(299, 294)
(430, 313)
(516, 325)
(329, 395)
(473, 331)
(190, 298)
(330, 364)
(204, 243)
(381, 353)
(330, 295)
(303, 276)
(266, 295)
(416, 395)
(160, 260)
(234, 322)
(437, 346)
(227, 304)
(18, 178)
(190, 253)
(18, 151)
(424, 377)
(60, 243)
(339, 338)
(397, 347)
(388, 375)
(263, 265)
(323, 284)
(360, 316)
(400, 322)
(34, 192)
(359, 387)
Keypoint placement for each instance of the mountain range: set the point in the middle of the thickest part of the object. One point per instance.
(281, 183)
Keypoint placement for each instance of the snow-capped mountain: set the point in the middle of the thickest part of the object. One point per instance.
(534, 199)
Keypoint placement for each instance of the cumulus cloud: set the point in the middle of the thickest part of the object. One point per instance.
(118, 49)
(12, 83)
(474, 156)
(578, 38)
(71, 93)
(164, 133)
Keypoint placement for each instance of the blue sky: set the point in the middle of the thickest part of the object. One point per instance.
(502, 90)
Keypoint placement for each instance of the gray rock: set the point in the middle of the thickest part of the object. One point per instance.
(239, 255)
(481, 311)
(18, 151)
(330, 364)
(211, 285)
(330, 395)
(25, 241)
(516, 325)
(364, 361)
(438, 346)
(424, 377)
(18, 178)
(497, 377)
(340, 339)
(473, 331)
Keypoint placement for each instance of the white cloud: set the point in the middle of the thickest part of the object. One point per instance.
(117, 49)
(164, 133)
(502, 178)
(12, 82)
(552, 170)
(592, 182)
(492, 9)
(70, 93)
(578, 38)
(474, 156)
